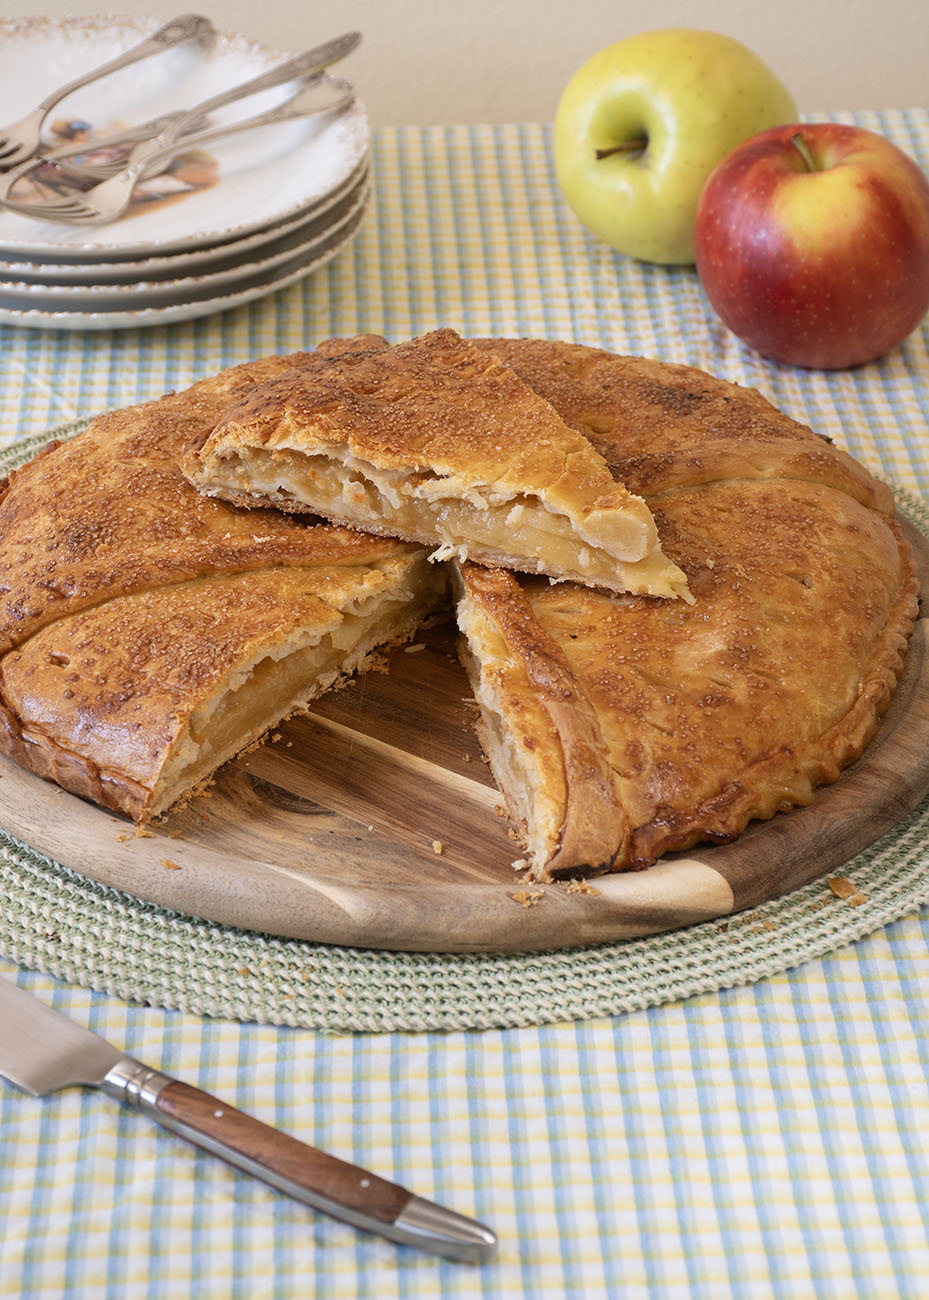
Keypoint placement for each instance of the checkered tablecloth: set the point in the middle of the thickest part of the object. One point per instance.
(764, 1141)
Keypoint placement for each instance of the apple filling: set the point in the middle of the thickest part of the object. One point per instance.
(275, 684)
(461, 519)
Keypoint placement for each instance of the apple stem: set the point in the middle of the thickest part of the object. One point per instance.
(803, 149)
(627, 146)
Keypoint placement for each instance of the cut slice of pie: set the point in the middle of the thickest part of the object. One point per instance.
(619, 728)
(538, 728)
(151, 633)
(438, 442)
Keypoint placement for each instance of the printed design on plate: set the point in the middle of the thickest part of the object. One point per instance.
(186, 173)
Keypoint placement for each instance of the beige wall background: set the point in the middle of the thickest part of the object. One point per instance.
(425, 61)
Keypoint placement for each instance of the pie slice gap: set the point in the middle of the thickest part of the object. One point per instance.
(438, 442)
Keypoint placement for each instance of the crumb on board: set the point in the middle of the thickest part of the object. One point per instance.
(527, 898)
(520, 864)
(142, 834)
(846, 890)
(169, 865)
(123, 837)
(438, 846)
(581, 886)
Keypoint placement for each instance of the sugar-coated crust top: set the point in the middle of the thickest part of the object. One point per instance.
(661, 426)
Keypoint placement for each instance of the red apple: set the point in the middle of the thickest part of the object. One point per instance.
(812, 244)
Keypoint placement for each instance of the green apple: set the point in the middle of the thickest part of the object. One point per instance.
(641, 125)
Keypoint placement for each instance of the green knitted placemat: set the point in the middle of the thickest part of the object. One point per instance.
(56, 921)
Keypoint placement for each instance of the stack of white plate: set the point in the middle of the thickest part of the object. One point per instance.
(262, 210)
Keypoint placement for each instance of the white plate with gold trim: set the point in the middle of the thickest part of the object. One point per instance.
(23, 296)
(254, 284)
(259, 178)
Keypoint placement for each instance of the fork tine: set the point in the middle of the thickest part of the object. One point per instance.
(51, 211)
(61, 204)
(18, 141)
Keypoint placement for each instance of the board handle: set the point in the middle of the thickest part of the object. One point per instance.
(342, 1190)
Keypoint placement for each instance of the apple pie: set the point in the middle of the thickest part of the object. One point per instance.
(438, 442)
(149, 633)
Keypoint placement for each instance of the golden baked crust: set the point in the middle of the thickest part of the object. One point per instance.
(709, 714)
(134, 609)
(436, 441)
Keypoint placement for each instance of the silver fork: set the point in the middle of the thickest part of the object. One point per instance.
(19, 140)
(109, 199)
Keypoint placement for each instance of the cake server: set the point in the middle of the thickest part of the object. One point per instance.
(42, 1050)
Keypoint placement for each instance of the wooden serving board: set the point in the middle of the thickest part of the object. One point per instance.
(374, 823)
